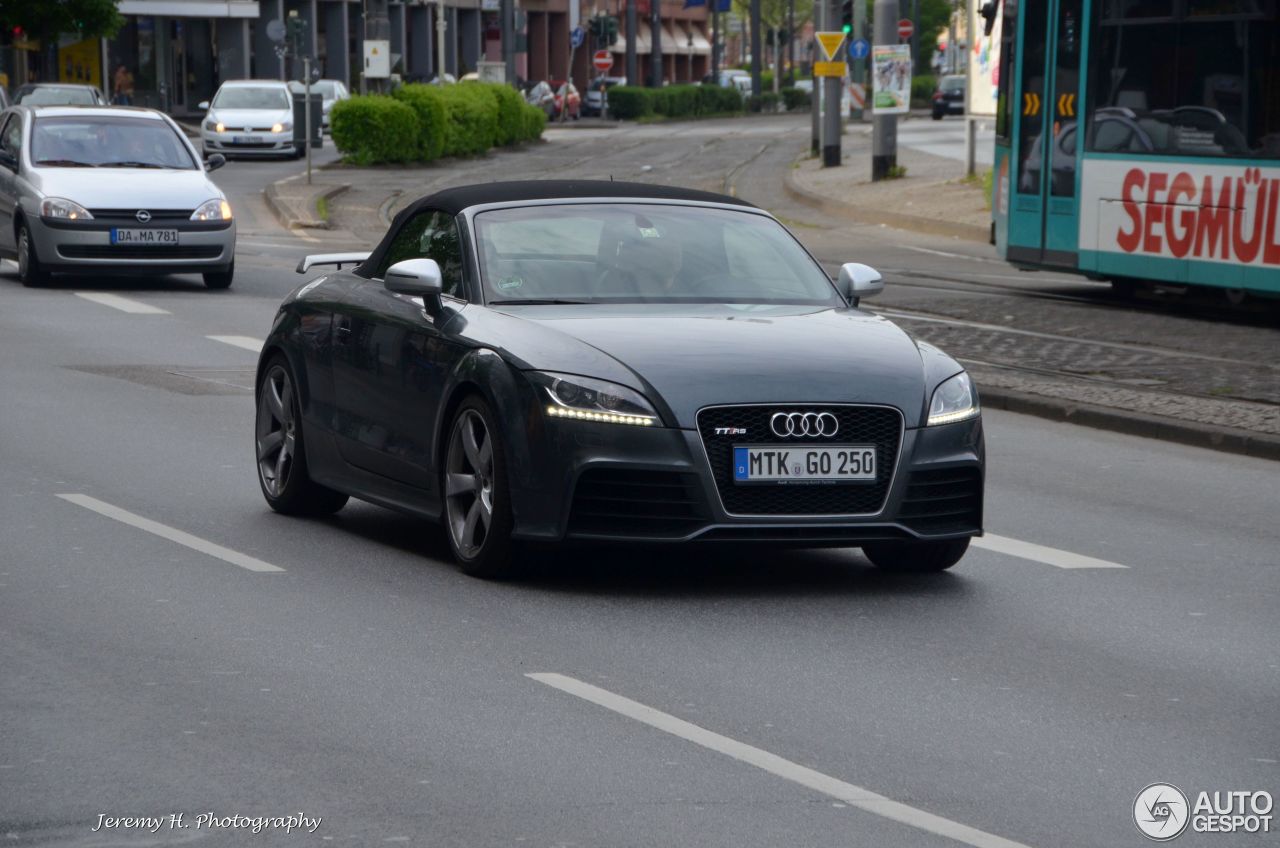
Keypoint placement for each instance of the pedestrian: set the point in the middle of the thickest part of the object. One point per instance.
(122, 86)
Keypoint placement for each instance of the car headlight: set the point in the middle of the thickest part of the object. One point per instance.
(213, 210)
(213, 126)
(954, 400)
(284, 126)
(66, 210)
(586, 399)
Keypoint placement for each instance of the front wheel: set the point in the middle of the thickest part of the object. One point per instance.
(915, 556)
(220, 279)
(477, 506)
(281, 454)
(30, 271)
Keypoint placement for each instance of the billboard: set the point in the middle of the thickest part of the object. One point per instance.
(984, 64)
(891, 79)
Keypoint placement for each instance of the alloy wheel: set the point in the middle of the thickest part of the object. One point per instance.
(24, 253)
(469, 483)
(276, 431)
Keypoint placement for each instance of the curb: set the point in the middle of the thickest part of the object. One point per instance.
(1211, 436)
(288, 216)
(860, 215)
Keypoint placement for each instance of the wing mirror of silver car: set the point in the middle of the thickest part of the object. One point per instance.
(858, 281)
(417, 278)
(214, 162)
(203, 105)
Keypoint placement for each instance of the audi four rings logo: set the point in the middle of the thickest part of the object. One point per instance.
(787, 424)
(143, 216)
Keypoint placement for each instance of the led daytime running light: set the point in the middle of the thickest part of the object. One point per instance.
(603, 417)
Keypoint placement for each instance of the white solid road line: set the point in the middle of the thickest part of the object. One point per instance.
(124, 304)
(246, 342)
(855, 796)
(1040, 553)
(165, 532)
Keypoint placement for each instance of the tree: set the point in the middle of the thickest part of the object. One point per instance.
(45, 20)
(774, 15)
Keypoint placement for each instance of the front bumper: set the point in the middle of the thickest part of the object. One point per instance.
(588, 481)
(72, 247)
(268, 144)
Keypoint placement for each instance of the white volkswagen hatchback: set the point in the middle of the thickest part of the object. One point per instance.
(250, 118)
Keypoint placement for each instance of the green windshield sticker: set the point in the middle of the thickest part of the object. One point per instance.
(507, 283)
(650, 232)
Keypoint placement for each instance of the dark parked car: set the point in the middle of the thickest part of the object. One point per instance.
(608, 361)
(948, 97)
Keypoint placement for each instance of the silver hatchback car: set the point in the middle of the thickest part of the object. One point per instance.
(109, 190)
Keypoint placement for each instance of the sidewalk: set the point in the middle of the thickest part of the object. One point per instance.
(930, 198)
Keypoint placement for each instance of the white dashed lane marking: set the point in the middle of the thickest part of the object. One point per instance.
(246, 342)
(124, 304)
(1039, 553)
(155, 528)
(847, 793)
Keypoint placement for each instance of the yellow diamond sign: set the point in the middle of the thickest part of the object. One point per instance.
(830, 42)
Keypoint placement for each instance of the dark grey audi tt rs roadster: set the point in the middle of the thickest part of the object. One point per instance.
(552, 361)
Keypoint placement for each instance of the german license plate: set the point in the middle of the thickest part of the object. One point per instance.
(246, 139)
(804, 464)
(144, 237)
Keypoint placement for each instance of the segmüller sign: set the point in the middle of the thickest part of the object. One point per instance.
(1211, 213)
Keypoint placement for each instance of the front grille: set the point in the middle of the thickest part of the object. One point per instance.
(859, 425)
(132, 214)
(94, 251)
(944, 501)
(624, 502)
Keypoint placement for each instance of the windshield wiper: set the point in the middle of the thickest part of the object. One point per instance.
(129, 164)
(537, 302)
(64, 163)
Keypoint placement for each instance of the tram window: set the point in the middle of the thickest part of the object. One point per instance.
(1033, 106)
(1200, 84)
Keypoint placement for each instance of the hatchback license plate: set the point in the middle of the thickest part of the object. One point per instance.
(804, 464)
(246, 139)
(145, 237)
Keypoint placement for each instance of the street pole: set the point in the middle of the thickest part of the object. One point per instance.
(508, 14)
(655, 32)
(633, 72)
(306, 111)
(884, 133)
(858, 67)
(831, 99)
(441, 25)
(755, 48)
(715, 41)
(791, 41)
(915, 36)
(815, 104)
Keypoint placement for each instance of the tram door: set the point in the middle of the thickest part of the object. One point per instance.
(1044, 207)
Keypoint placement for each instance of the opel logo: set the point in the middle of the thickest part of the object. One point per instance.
(786, 424)
(143, 216)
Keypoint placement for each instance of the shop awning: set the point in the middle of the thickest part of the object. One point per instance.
(643, 45)
(191, 8)
(687, 32)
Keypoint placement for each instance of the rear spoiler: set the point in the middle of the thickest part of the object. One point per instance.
(338, 259)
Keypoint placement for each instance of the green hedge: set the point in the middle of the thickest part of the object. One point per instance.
(767, 102)
(795, 99)
(922, 88)
(419, 123)
(373, 129)
(674, 101)
(428, 103)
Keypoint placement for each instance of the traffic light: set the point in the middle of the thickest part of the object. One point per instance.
(846, 16)
(610, 30)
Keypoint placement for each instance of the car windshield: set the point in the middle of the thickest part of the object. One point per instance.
(642, 253)
(55, 95)
(950, 84)
(100, 141)
(327, 89)
(249, 97)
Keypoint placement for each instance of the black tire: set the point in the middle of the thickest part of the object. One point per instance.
(917, 557)
(937, 116)
(220, 279)
(491, 554)
(30, 271)
(299, 495)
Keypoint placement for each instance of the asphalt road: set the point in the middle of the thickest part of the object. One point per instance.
(735, 698)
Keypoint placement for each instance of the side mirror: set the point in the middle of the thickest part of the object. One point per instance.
(858, 281)
(214, 162)
(417, 278)
(203, 105)
(8, 160)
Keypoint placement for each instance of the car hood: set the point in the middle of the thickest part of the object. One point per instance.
(256, 118)
(691, 357)
(126, 188)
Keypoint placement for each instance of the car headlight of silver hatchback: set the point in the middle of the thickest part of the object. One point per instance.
(954, 400)
(216, 209)
(587, 399)
(62, 209)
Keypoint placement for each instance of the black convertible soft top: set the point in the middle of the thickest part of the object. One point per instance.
(454, 200)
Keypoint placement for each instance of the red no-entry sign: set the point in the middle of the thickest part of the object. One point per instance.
(905, 28)
(603, 60)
